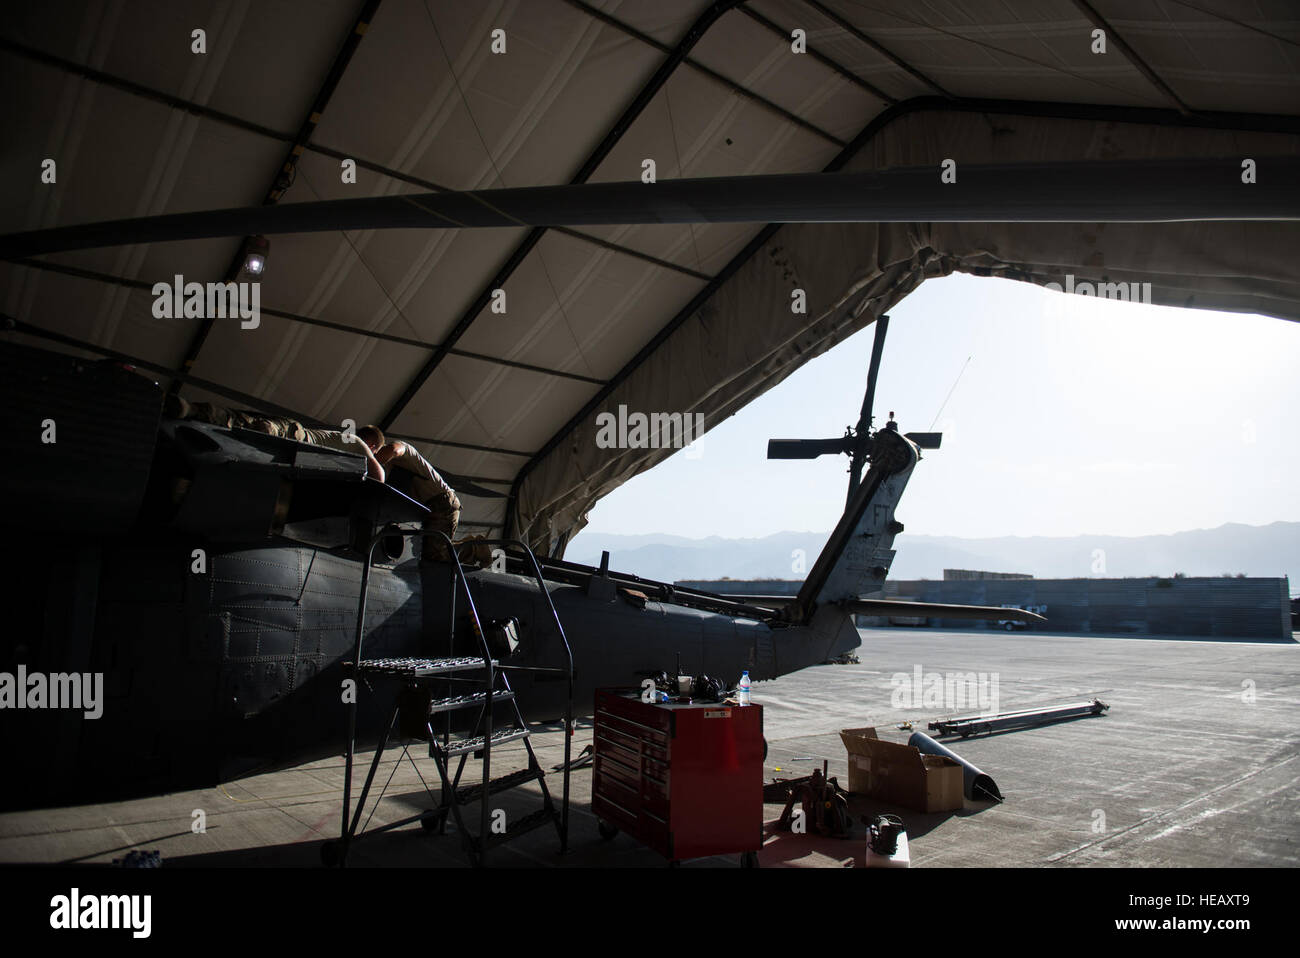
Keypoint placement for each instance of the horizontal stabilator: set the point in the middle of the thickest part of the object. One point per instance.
(1146, 191)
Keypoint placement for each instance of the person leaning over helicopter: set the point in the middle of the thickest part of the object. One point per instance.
(401, 466)
(410, 472)
(414, 476)
(334, 439)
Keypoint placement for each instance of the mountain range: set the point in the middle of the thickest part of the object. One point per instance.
(1271, 550)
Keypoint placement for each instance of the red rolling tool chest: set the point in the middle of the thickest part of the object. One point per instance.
(686, 780)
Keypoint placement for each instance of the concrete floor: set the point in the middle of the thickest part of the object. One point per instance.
(1185, 770)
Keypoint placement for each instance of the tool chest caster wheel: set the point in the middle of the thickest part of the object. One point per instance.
(607, 831)
(749, 860)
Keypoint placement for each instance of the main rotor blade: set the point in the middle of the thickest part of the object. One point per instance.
(863, 430)
(466, 486)
(873, 370)
(1065, 192)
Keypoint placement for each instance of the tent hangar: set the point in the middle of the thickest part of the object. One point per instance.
(496, 350)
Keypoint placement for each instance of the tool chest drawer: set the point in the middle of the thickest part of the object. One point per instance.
(686, 780)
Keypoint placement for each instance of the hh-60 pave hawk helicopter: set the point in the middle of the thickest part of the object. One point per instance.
(238, 667)
(311, 573)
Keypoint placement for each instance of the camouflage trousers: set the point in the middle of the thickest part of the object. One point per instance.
(242, 419)
(444, 515)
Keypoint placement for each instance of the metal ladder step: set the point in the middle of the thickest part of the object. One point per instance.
(418, 668)
(506, 782)
(467, 701)
(462, 746)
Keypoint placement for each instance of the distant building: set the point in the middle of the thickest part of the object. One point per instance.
(1237, 608)
(956, 575)
(1248, 608)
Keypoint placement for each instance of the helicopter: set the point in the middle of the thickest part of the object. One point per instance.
(212, 576)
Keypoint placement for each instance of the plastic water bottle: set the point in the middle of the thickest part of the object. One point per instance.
(743, 687)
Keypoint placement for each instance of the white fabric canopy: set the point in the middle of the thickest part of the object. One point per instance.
(596, 318)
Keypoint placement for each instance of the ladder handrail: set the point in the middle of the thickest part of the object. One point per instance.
(351, 746)
(568, 650)
(541, 581)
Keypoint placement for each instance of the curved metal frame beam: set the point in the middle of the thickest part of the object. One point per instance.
(709, 72)
(648, 92)
(820, 57)
(861, 37)
(1258, 123)
(1132, 56)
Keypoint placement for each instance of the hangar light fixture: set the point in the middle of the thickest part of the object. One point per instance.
(256, 249)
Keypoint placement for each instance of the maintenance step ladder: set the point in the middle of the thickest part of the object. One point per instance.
(428, 688)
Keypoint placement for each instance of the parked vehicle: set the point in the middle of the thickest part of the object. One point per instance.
(1012, 625)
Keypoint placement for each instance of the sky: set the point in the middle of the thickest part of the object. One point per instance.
(1073, 416)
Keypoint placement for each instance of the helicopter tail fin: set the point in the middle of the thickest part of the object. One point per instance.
(859, 552)
(849, 575)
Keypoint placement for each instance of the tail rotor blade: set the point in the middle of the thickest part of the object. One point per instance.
(926, 440)
(804, 448)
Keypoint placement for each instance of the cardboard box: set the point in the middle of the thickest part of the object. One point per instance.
(900, 774)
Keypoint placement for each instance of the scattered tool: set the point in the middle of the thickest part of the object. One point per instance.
(976, 724)
(582, 760)
(824, 804)
(140, 859)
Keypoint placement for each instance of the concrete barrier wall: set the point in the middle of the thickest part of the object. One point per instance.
(1217, 607)
(1251, 608)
